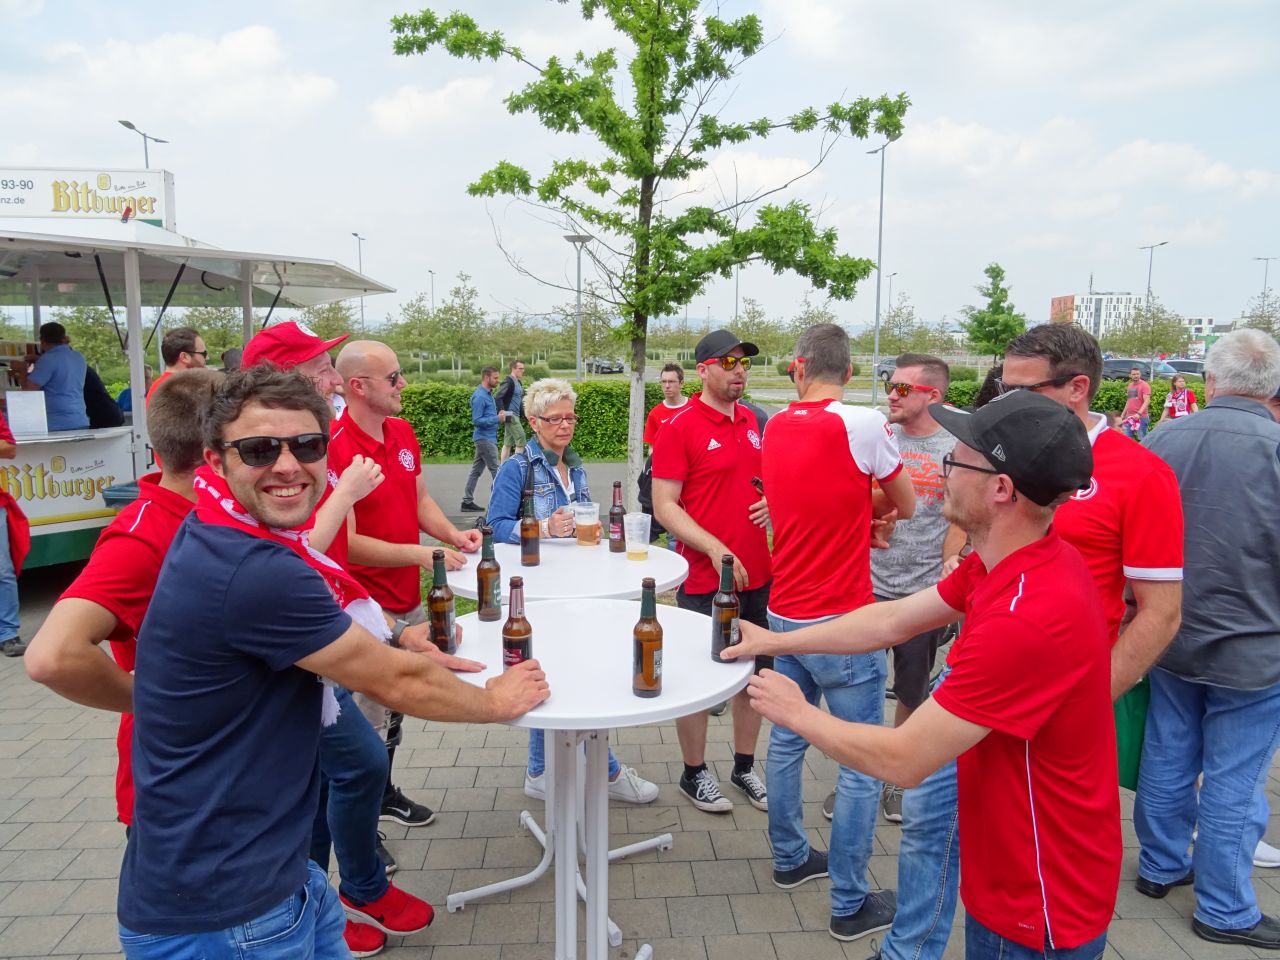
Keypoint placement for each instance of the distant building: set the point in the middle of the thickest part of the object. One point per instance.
(1097, 312)
(1200, 327)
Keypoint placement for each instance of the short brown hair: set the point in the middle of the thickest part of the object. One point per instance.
(935, 369)
(824, 347)
(173, 418)
(674, 368)
(274, 389)
(1068, 349)
(486, 371)
(514, 363)
(177, 342)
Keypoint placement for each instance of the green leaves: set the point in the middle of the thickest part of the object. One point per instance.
(990, 328)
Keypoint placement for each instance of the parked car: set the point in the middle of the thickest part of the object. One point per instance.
(1194, 368)
(605, 365)
(885, 368)
(1117, 368)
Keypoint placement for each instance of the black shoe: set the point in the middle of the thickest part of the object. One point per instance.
(470, 506)
(829, 806)
(876, 913)
(13, 647)
(400, 809)
(719, 709)
(811, 869)
(753, 787)
(875, 951)
(388, 861)
(1265, 933)
(1158, 891)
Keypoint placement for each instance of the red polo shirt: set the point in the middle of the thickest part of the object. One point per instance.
(658, 418)
(120, 577)
(1040, 843)
(715, 457)
(1128, 524)
(390, 512)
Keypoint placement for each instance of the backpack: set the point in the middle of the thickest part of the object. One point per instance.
(644, 494)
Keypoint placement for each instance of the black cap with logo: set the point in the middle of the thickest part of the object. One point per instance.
(720, 343)
(1040, 444)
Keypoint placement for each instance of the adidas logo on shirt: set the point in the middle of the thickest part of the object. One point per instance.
(714, 444)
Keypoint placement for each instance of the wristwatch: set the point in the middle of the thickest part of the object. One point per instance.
(397, 630)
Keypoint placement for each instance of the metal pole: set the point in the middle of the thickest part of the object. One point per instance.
(1266, 267)
(146, 154)
(137, 373)
(433, 290)
(579, 311)
(875, 347)
(360, 265)
(1151, 259)
(890, 297)
(246, 298)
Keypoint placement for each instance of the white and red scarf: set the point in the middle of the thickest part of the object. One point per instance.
(217, 505)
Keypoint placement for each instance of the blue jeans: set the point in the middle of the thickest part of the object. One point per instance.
(983, 943)
(928, 868)
(353, 768)
(538, 756)
(1230, 735)
(307, 925)
(8, 586)
(854, 690)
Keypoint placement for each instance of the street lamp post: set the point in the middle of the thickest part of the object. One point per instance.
(889, 298)
(146, 155)
(875, 347)
(579, 240)
(360, 265)
(1151, 259)
(433, 290)
(1266, 267)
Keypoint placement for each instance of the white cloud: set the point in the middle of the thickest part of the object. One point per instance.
(20, 8)
(412, 109)
(1182, 164)
(816, 27)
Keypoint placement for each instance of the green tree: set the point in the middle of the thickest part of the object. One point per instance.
(990, 328)
(653, 128)
(332, 320)
(93, 335)
(1149, 331)
(1263, 313)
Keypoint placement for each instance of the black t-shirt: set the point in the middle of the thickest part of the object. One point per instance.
(98, 405)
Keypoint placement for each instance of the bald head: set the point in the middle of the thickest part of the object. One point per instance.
(371, 378)
(365, 358)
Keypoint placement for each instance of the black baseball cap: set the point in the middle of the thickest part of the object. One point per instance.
(720, 343)
(1040, 444)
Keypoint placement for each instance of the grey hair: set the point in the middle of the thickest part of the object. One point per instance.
(544, 393)
(1245, 363)
(825, 349)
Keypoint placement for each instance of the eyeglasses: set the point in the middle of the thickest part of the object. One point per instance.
(670, 383)
(948, 462)
(392, 378)
(902, 389)
(728, 363)
(791, 368)
(556, 421)
(198, 353)
(264, 451)
(1004, 388)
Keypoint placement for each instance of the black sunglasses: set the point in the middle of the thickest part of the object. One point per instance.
(391, 378)
(264, 451)
(198, 353)
(1004, 388)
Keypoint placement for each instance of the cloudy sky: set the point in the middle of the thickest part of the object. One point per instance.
(1053, 139)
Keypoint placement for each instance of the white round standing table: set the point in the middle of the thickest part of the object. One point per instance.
(568, 571)
(585, 647)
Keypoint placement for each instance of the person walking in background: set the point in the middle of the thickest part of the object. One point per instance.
(1181, 401)
(59, 371)
(484, 424)
(510, 403)
(1136, 416)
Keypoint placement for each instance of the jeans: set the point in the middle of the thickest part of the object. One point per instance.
(353, 767)
(983, 943)
(8, 586)
(928, 868)
(1230, 736)
(854, 689)
(307, 925)
(486, 458)
(538, 756)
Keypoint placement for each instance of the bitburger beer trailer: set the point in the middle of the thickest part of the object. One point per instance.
(48, 260)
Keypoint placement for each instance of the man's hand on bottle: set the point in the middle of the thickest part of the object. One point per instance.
(517, 691)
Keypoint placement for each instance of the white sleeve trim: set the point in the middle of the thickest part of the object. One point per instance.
(1153, 573)
(872, 443)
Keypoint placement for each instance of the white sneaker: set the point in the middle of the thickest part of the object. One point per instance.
(630, 787)
(535, 787)
(1265, 855)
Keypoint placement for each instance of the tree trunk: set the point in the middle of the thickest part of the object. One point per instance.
(635, 415)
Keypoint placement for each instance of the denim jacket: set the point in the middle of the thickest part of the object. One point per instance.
(548, 494)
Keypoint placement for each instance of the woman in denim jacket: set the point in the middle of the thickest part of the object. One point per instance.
(558, 479)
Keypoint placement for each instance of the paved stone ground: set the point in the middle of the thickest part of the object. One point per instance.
(709, 898)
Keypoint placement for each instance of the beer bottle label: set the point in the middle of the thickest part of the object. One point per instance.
(657, 664)
(733, 632)
(495, 593)
(615, 531)
(512, 656)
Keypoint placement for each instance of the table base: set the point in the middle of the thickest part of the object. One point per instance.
(566, 833)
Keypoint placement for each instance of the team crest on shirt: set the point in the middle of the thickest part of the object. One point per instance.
(754, 438)
(406, 460)
(1086, 494)
(333, 478)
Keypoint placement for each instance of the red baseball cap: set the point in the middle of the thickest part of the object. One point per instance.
(286, 345)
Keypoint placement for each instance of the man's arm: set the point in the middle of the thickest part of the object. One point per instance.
(65, 655)
(414, 684)
(432, 521)
(900, 494)
(666, 507)
(362, 477)
(8, 450)
(903, 755)
(1159, 604)
(873, 627)
(370, 552)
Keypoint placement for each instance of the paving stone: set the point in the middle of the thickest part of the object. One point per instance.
(724, 877)
(1142, 940)
(43, 865)
(92, 896)
(740, 947)
(641, 919)
(664, 880)
(506, 923)
(468, 799)
(453, 854)
(93, 933)
(35, 936)
(764, 913)
(811, 945)
(37, 836)
(37, 897)
(700, 916)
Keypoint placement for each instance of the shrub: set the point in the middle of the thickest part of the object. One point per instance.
(781, 367)
(856, 368)
(559, 362)
(965, 373)
(962, 392)
(688, 363)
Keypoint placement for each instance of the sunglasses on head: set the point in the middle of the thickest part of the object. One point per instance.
(264, 451)
(902, 389)
(728, 363)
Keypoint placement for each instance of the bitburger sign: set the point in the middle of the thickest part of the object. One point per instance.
(81, 194)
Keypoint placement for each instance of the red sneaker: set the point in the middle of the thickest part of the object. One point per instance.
(394, 912)
(363, 940)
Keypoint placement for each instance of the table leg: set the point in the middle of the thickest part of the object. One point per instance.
(596, 817)
(562, 821)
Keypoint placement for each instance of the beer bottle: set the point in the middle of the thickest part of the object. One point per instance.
(517, 635)
(488, 580)
(617, 542)
(530, 532)
(440, 606)
(724, 612)
(646, 644)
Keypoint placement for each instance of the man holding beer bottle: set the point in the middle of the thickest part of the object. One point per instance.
(704, 495)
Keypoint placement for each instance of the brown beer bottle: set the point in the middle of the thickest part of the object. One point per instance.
(517, 635)
(440, 606)
(724, 612)
(488, 580)
(530, 531)
(617, 542)
(646, 644)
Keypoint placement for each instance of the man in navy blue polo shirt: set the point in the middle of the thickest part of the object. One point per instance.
(227, 701)
(59, 371)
